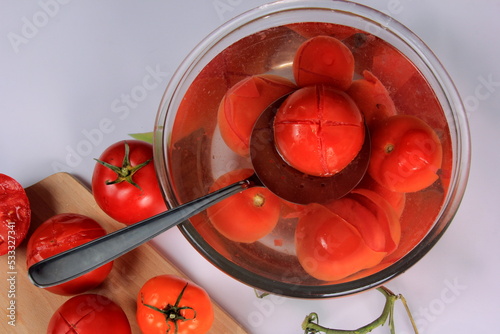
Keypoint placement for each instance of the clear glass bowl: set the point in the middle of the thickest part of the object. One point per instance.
(190, 155)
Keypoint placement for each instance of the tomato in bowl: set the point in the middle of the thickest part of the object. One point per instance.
(190, 157)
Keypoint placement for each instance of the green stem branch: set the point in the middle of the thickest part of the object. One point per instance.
(311, 325)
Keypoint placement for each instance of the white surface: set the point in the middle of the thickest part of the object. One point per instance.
(67, 67)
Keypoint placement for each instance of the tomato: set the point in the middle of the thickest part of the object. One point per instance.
(313, 29)
(170, 304)
(247, 216)
(406, 154)
(15, 214)
(374, 222)
(329, 248)
(372, 98)
(243, 104)
(397, 200)
(322, 124)
(323, 60)
(60, 233)
(124, 182)
(89, 314)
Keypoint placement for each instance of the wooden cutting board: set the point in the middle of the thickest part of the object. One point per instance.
(33, 308)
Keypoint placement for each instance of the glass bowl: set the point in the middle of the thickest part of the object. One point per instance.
(190, 154)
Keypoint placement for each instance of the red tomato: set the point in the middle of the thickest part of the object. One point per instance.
(372, 98)
(322, 124)
(247, 216)
(323, 60)
(15, 214)
(329, 248)
(396, 199)
(406, 154)
(313, 29)
(170, 304)
(373, 217)
(124, 182)
(89, 314)
(243, 104)
(60, 233)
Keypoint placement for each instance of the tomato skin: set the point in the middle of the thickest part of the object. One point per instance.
(322, 124)
(406, 154)
(397, 200)
(247, 216)
(15, 214)
(242, 105)
(323, 60)
(162, 292)
(89, 314)
(372, 98)
(60, 233)
(123, 201)
(329, 248)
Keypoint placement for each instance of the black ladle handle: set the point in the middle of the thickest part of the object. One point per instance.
(75, 262)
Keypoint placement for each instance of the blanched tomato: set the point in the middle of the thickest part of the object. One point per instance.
(246, 216)
(396, 199)
(319, 130)
(89, 314)
(329, 248)
(372, 216)
(60, 233)
(170, 304)
(372, 98)
(243, 104)
(15, 214)
(124, 182)
(323, 60)
(406, 154)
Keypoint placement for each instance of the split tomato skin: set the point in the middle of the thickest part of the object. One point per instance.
(242, 105)
(89, 314)
(329, 248)
(372, 98)
(320, 123)
(123, 201)
(60, 233)
(15, 214)
(406, 154)
(372, 216)
(189, 306)
(323, 60)
(247, 216)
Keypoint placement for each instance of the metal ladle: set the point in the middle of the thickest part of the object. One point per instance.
(270, 171)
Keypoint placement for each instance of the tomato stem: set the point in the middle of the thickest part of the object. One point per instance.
(259, 200)
(173, 313)
(310, 325)
(126, 171)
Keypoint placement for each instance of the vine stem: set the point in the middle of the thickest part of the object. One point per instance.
(311, 325)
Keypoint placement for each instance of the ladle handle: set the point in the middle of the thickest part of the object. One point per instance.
(75, 262)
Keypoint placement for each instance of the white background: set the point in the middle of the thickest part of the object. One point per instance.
(62, 72)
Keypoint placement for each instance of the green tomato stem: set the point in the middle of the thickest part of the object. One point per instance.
(126, 171)
(310, 325)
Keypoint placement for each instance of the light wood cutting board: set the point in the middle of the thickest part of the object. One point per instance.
(60, 193)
